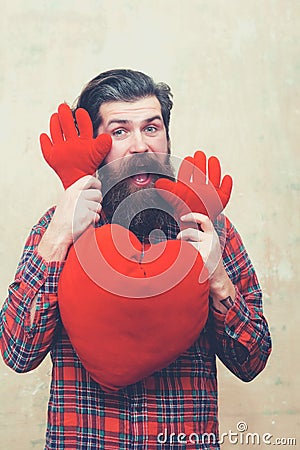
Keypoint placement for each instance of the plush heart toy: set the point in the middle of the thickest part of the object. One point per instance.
(129, 314)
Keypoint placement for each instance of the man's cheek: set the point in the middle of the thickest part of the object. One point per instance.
(117, 151)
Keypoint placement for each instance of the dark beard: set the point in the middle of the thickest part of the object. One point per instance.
(139, 209)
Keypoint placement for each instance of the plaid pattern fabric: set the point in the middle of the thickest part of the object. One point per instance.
(153, 413)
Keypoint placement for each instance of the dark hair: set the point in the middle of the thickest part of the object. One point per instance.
(123, 85)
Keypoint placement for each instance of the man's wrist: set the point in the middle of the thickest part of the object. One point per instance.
(222, 291)
(219, 282)
(52, 247)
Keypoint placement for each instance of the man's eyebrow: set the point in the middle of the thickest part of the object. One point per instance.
(125, 121)
(151, 119)
(119, 121)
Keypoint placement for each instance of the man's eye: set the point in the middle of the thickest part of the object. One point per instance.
(118, 133)
(150, 129)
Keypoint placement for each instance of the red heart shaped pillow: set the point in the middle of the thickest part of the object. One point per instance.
(130, 312)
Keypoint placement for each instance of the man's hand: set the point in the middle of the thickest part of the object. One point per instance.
(192, 192)
(71, 153)
(79, 207)
(206, 241)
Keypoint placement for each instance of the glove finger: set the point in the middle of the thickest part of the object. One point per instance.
(66, 121)
(214, 171)
(172, 192)
(199, 174)
(165, 185)
(55, 129)
(166, 189)
(185, 171)
(177, 194)
(46, 147)
(84, 123)
(226, 188)
(101, 148)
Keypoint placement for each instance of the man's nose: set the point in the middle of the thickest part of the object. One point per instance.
(139, 144)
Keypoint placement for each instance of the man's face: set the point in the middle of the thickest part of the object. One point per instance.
(135, 127)
(139, 156)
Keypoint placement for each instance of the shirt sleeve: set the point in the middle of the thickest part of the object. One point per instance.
(24, 346)
(243, 341)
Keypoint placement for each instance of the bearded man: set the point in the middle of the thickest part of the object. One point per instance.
(175, 407)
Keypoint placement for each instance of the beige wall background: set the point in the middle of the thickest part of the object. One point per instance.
(234, 68)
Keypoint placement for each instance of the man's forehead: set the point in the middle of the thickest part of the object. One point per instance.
(140, 109)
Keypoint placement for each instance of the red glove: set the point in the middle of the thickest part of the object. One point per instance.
(73, 155)
(192, 193)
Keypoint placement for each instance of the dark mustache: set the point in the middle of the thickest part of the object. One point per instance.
(121, 169)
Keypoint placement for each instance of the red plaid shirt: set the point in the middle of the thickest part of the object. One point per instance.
(175, 407)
